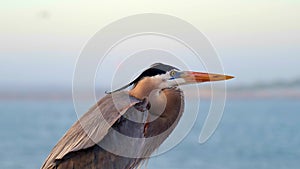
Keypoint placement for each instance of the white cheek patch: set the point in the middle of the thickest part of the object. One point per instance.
(162, 76)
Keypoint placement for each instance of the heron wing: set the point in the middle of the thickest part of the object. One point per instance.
(91, 128)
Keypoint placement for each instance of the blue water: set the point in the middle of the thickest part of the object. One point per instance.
(252, 134)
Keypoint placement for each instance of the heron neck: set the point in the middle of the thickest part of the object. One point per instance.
(144, 88)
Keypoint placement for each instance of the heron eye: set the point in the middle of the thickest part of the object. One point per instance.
(172, 73)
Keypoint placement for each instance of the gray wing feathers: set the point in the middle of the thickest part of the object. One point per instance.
(92, 126)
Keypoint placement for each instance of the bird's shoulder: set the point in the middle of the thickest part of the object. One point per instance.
(91, 128)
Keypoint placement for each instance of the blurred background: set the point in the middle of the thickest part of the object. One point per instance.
(257, 41)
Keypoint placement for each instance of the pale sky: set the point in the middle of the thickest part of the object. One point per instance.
(257, 41)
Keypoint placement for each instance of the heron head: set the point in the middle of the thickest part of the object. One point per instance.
(154, 70)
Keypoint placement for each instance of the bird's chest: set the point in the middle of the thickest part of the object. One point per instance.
(158, 102)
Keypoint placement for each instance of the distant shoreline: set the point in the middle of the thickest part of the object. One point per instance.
(205, 93)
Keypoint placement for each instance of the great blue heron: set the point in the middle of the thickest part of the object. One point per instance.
(94, 141)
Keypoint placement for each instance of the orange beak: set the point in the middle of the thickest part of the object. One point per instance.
(199, 77)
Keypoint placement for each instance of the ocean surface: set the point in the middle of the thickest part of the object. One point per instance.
(253, 133)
